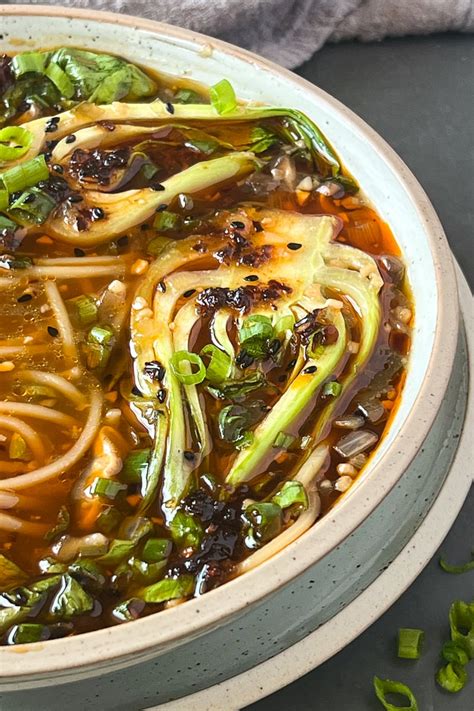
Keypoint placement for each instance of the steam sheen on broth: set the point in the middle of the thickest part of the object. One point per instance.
(203, 336)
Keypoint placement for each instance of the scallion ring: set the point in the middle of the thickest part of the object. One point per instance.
(14, 142)
(387, 686)
(220, 364)
(182, 361)
(223, 97)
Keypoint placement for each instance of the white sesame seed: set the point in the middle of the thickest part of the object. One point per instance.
(343, 483)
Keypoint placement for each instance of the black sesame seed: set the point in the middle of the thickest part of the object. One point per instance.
(189, 293)
(70, 139)
(161, 395)
(136, 391)
(51, 144)
(291, 364)
(258, 226)
(244, 359)
(154, 370)
(169, 107)
(162, 286)
(58, 168)
(31, 197)
(274, 346)
(237, 225)
(188, 455)
(78, 252)
(53, 331)
(48, 155)
(310, 369)
(161, 208)
(251, 277)
(97, 213)
(294, 245)
(158, 187)
(24, 297)
(75, 198)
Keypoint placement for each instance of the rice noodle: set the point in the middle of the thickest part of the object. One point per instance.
(54, 381)
(31, 437)
(106, 260)
(8, 351)
(72, 272)
(61, 465)
(312, 466)
(62, 319)
(12, 467)
(12, 524)
(8, 500)
(9, 282)
(38, 412)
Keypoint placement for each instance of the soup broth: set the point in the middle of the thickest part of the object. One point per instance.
(204, 332)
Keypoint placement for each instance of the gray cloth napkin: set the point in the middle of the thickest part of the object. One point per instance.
(290, 31)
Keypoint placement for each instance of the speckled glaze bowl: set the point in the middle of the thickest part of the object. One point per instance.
(250, 619)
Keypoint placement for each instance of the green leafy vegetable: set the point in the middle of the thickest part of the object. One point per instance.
(186, 530)
(10, 574)
(387, 686)
(107, 488)
(452, 677)
(291, 493)
(118, 551)
(235, 420)
(156, 550)
(168, 589)
(71, 599)
(27, 632)
(265, 522)
(135, 466)
(254, 335)
(410, 642)
(237, 389)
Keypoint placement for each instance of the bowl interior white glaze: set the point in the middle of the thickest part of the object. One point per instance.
(398, 199)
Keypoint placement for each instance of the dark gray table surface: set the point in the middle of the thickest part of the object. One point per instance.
(418, 94)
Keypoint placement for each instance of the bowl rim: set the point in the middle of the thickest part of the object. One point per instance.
(114, 647)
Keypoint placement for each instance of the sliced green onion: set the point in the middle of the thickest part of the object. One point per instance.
(181, 363)
(60, 80)
(165, 221)
(83, 309)
(461, 622)
(157, 245)
(4, 201)
(292, 492)
(96, 355)
(452, 652)
(27, 62)
(135, 466)
(387, 686)
(332, 388)
(106, 487)
(283, 440)
(457, 569)
(108, 520)
(410, 642)
(18, 449)
(101, 334)
(32, 211)
(25, 175)
(223, 97)
(14, 142)
(156, 549)
(148, 170)
(220, 364)
(26, 633)
(186, 530)
(452, 677)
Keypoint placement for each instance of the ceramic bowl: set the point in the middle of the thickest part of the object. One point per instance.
(253, 617)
